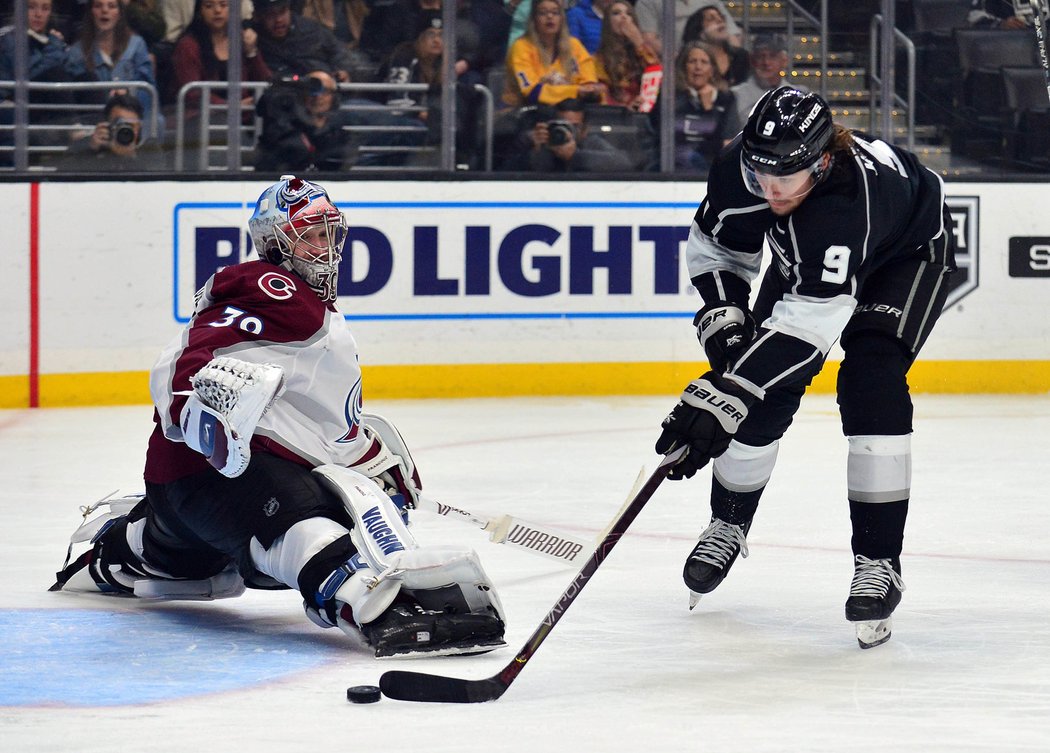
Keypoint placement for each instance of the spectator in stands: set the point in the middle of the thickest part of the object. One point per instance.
(420, 62)
(563, 144)
(109, 51)
(624, 57)
(146, 19)
(547, 65)
(709, 25)
(203, 52)
(47, 48)
(493, 24)
(585, 22)
(293, 45)
(769, 61)
(303, 128)
(996, 14)
(519, 11)
(705, 110)
(179, 13)
(651, 19)
(47, 56)
(114, 146)
(346, 20)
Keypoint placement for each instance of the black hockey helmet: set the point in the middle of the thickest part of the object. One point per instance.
(788, 130)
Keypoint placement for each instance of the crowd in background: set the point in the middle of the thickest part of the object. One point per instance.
(552, 69)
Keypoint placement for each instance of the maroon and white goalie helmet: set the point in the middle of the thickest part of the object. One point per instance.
(296, 226)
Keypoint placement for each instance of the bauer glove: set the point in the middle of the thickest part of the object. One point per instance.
(709, 413)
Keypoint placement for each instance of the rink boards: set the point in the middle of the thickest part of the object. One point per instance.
(459, 289)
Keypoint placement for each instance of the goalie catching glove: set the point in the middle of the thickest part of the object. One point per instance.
(228, 399)
(725, 331)
(709, 413)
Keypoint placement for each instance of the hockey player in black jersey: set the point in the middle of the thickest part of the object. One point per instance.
(860, 252)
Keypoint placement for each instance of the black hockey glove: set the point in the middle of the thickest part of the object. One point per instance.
(725, 331)
(706, 418)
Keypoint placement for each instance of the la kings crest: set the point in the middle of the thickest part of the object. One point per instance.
(965, 213)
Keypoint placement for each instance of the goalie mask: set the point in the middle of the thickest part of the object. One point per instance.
(296, 226)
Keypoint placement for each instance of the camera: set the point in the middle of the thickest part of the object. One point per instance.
(560, 132)
(122, 132)
(285, 100)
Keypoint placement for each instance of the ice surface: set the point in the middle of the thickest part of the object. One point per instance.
(766, 663)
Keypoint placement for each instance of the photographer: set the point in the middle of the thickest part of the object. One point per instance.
(562, 143)
(303, 127)
(114, 145)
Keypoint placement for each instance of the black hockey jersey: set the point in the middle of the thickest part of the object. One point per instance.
(877, 204)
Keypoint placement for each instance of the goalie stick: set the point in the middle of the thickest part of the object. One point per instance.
(515, 532)
(417, 686)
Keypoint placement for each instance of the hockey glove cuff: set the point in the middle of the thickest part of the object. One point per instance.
(725, 331)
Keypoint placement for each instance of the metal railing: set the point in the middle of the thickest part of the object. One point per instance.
(887, 97)
(213, 122)
(64, 118)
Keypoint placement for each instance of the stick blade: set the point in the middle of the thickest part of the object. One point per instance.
(417, 686)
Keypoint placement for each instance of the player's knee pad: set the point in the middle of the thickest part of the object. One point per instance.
(743, 468)
(879, 468)
(873, 393)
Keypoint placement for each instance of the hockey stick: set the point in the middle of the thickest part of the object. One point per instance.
(1040, 18)
(515, 532)
(417, 686)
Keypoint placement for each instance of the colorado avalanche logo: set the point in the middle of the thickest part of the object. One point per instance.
(352, 412)
(277, 286)
(297, 195)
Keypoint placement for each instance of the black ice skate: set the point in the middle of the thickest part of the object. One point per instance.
(713, 555)
(874, 594)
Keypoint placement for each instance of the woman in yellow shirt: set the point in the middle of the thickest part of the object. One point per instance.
(546, 65)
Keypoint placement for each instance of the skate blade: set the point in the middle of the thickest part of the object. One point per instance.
(872, 633)
(694, 599)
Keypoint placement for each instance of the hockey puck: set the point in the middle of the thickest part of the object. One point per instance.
(363, 694)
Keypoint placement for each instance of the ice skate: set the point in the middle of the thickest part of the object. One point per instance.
(713, 555)
(873, 595)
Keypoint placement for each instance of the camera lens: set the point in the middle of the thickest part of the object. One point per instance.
(122, 133)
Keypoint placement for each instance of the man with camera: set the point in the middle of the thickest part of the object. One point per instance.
(562, 144)
(114, 145)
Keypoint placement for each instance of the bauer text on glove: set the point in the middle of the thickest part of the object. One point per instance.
(707, 416)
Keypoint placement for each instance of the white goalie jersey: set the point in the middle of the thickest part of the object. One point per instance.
(257, 312)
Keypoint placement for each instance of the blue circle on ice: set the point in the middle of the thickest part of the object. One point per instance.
(88, 657)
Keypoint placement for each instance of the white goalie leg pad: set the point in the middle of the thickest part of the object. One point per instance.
(879, 468)
(433, 567)
(163, 587)
(292, 550)
(354, 583)
(379, 533)
(384, 541)
(744, 468)
(228, 399)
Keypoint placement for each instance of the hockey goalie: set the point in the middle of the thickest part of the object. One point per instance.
(263, 471)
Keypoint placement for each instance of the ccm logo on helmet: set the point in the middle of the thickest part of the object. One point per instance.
(810, 118)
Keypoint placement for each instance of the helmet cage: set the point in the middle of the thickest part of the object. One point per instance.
(296, 226)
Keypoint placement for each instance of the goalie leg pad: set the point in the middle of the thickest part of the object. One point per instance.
(379, 531)
(447, 605)
(389, 462)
